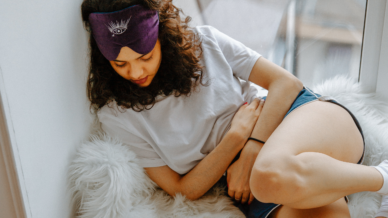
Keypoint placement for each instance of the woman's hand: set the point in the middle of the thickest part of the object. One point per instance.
(246, 117)
(238, 174)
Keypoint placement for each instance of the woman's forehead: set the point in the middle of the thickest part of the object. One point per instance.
(127, 54)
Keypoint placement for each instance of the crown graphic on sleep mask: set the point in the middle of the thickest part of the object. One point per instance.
(136, 27)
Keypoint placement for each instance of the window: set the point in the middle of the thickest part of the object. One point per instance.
(313, 39)
(382, 88)
(374, 65)
(319, 39)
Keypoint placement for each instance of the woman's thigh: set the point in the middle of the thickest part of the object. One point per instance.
(337, 209)
(317, 126)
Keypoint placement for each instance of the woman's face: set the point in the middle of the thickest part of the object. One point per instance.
(137, 68)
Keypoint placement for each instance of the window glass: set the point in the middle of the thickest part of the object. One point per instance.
(313, 39)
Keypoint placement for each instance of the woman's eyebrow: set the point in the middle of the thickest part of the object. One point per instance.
(136, 58)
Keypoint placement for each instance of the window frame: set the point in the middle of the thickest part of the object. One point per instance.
(382, 88)
(373, 69)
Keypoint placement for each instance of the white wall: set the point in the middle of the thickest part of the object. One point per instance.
(43, 69)
(190, 8)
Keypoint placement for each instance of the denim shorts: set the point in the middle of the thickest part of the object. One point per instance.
(258, 209)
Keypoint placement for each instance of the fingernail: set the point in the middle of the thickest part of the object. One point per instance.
(227, 185)
(245, 103)
(249, 203)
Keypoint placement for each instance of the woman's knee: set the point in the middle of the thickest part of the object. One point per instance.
(274, 178)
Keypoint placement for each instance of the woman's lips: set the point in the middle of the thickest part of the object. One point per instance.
(141, 81)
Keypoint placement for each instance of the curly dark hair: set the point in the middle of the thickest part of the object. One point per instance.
(179, 71)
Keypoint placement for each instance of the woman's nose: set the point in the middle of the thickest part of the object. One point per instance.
(136, 73)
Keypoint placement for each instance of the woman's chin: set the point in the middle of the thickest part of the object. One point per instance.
(142, 86)
(146, 84)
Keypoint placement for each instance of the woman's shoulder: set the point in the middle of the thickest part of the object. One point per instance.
(113, 116)
(209, 37)
(212, 37)
(110, 110)
(206, 31)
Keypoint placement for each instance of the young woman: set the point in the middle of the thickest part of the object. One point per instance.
(182, 98)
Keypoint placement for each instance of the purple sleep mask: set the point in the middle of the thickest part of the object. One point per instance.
(136, 27)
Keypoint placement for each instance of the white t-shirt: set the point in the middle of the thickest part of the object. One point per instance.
(181, 131)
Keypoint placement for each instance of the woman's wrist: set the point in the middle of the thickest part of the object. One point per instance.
(251, 148)
(257, 140)
(258, 133)
(238, 139)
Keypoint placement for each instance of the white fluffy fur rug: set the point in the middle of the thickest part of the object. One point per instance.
(107, 182)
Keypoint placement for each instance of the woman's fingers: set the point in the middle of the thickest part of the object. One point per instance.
(251, 198)
(255, 103)
(238, 196)
(261, 104)
(231, 193)
(260, 107)
(245, 197)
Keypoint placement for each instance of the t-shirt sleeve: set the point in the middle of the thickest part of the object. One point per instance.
(144, 151)
(240, 58)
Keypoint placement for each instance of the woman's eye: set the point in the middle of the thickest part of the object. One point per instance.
(122, 65)
(147, 59)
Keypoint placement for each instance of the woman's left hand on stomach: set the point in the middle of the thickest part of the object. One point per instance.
(238, 175)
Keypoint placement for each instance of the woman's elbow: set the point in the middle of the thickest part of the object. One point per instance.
(288, 84)
(298, 84)
(188, 196)
(292, 83)
(192, 197)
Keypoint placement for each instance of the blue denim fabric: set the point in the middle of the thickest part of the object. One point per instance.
(258, 209)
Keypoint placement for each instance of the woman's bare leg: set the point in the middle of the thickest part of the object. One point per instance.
(310, 159)
(337, 209)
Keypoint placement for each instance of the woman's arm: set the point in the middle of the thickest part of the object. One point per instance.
(204, 175)
(283, 88)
